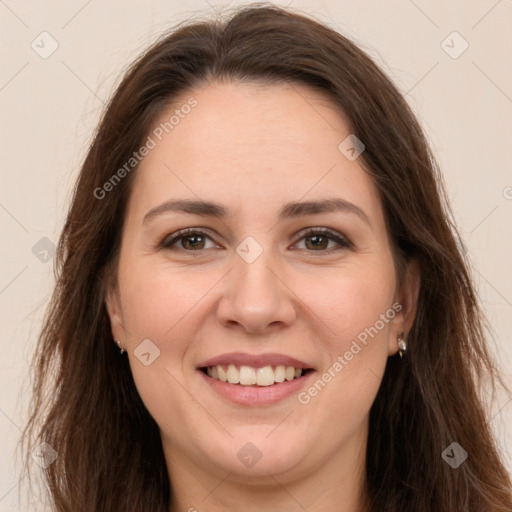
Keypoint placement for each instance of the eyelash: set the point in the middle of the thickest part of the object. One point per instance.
(167, 242)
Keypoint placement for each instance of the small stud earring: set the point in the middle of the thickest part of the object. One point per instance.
(402, 344)
(121, 348)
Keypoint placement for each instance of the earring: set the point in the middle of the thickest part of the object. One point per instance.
(121, 348)
(402, 344)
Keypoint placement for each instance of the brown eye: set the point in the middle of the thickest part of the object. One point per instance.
(318, 240)
(192, 242)
(187, 240)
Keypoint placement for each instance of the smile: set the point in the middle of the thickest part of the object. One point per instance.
(249, 376)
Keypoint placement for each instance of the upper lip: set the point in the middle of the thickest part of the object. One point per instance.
(255, 360)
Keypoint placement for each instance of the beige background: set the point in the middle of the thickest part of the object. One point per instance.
(49, 108)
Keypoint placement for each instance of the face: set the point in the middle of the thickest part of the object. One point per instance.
(266, 284)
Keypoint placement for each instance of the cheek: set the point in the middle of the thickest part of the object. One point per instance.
(157, 301)
(362, 302)
(350, 300)
(160, 305)
(163, 305)
(356, 316)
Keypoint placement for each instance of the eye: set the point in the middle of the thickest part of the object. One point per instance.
(189, 240)
(318, 240)
(193, 239)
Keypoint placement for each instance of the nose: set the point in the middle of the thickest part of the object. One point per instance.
(257, 297)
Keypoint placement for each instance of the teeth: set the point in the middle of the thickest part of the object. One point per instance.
(249, 376)
(222, 374)
(233, 374)
(290, 373)
(280, 373)
(265, 376)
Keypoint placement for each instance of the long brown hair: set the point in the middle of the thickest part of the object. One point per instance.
(85, 404)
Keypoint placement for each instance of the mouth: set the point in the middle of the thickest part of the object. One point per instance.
(265, 376)
(255, 379)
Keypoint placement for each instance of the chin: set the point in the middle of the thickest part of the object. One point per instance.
(247, 457)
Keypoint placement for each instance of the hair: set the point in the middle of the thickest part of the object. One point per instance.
(85, 403)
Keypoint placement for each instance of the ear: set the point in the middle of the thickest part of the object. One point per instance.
(114, 310)
(407, 297)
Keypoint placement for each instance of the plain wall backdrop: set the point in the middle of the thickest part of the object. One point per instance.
(61, 60)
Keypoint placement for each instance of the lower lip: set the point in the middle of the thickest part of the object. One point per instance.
(257, 395)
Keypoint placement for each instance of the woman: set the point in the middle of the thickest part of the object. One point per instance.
(262, 300)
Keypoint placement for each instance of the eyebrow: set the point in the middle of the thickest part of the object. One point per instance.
(289, 210)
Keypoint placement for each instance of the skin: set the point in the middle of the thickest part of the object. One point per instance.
(254, 147)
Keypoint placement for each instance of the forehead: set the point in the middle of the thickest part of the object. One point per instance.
(245, 144)
(246, 121)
